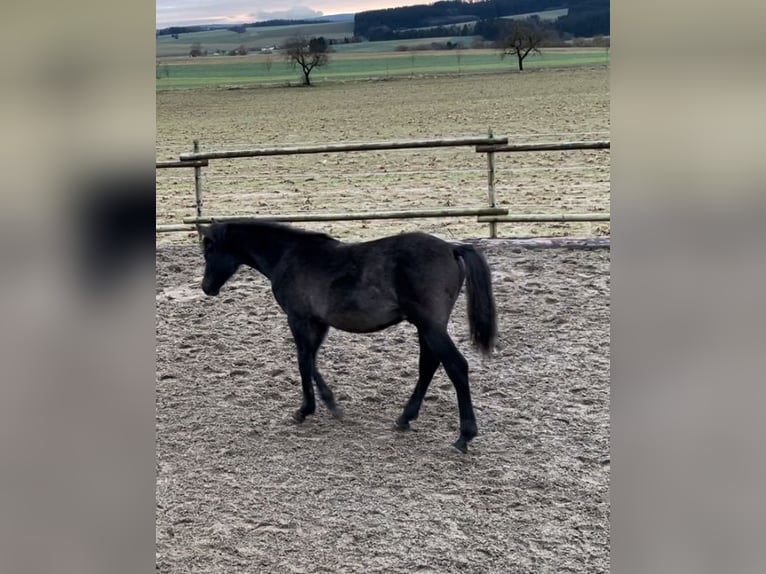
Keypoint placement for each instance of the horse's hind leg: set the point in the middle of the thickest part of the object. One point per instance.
(456, 366)
(427, 364)
(326, 395)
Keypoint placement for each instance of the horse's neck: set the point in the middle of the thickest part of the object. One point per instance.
(268, 250)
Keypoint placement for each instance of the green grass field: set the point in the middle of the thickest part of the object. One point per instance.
(273, 69)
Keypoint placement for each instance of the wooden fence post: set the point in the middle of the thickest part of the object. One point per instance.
(198, 189)
(491, 185)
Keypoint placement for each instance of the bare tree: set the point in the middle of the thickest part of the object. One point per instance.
(307, 54)
(521, 38)
(196, 50)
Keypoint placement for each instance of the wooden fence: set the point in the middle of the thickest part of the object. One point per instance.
(490, 145)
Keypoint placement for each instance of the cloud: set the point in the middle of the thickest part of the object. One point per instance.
(292, 13)
(190, 12)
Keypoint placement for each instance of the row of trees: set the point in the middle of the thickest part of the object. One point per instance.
(175, 31)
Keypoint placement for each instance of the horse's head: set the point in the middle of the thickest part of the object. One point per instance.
(220, 262)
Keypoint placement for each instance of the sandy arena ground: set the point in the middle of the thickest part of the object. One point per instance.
(241, 488)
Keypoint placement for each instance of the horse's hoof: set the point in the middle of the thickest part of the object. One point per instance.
(336, 412)
(402, 425)
(460, 445)
(298, 416)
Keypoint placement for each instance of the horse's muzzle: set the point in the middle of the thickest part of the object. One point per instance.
(210, 290)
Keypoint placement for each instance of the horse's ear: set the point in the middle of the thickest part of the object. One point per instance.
(205, 231)
(215, 232)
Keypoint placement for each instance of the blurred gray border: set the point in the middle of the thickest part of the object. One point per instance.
(688, 264)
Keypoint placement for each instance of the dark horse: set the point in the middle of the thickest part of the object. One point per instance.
(321, 282)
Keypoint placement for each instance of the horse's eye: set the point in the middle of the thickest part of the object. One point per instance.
(206, 244)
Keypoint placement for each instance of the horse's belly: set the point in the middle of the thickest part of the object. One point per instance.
(357, 321)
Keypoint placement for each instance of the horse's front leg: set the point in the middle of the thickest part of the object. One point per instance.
(308, 335)
(308, 406)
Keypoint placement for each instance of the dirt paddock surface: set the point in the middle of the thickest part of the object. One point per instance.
(241, 488)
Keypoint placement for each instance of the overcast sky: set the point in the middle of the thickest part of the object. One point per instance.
(191, 12)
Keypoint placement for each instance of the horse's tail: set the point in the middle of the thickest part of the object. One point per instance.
(482, 318)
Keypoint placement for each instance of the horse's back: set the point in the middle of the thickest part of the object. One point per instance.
(427, 275)
(413, 244)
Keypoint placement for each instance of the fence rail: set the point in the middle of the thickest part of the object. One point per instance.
(542, 217)
(173, 227)
(543, 146)
(490, 145)
(182, 163)
(333, 148)
(359, 216)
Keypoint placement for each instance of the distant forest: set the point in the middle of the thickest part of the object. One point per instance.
(585, 18)
(240, 28)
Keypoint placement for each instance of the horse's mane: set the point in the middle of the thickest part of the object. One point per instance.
(278, 229)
